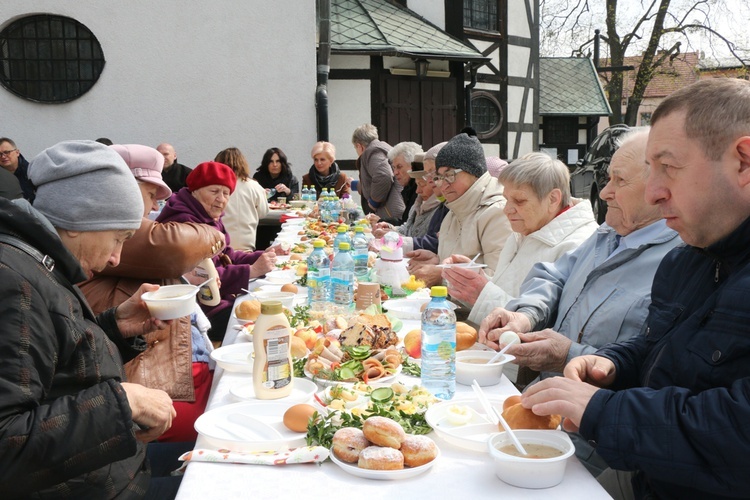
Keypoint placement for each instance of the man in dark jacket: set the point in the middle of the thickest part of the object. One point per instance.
(174, 173)
(671, 405)
(13, 161)
(69, 425)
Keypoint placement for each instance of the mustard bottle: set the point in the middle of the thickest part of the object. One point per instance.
(272, 368)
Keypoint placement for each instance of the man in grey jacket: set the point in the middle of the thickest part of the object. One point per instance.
(598, 293)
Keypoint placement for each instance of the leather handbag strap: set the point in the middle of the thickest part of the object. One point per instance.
(47, 261)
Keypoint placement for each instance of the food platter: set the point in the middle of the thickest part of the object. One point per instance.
(249, 426)
(474, 434)
(302, 391)
(325, 382)
(383, 475)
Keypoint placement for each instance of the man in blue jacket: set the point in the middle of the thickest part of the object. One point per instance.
(672, 405)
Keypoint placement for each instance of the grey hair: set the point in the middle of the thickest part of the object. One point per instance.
(542, 173)
(365, 134)
(632, 136)
(407, 150)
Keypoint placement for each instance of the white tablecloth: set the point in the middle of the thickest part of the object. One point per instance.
(459, 473)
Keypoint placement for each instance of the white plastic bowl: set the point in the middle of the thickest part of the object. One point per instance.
(483, 373)
(286, 298)
(282, 276)
(235, 357)
(531, 472)
(171, 301)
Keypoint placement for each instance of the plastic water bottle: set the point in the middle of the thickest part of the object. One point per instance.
(439, 345)
(342, 282)
(359, 243)
(341, 237)
(318, 277)
(335, 207)
(325, 212)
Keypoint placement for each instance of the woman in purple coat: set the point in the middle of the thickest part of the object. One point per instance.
(203, 200)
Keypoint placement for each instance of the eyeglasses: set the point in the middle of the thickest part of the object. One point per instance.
(7, 153)
(449, 177)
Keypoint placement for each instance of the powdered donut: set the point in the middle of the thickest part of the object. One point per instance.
(383, 431)
(380, 458)
(348, 443)
(418, 450)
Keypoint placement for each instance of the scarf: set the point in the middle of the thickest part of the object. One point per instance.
(322, 181)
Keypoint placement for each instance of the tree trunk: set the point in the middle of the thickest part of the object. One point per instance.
(616, 59)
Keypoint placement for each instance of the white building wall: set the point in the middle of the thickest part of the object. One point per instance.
(432, 10)
(348, 108)
(201, 75)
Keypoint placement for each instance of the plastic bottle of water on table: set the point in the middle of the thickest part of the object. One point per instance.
(439, 345)
(360, 254)
(318, 277)
(342, 236)
(342, 281)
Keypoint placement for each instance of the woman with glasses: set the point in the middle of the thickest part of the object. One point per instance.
(475, 223)
(546, 223)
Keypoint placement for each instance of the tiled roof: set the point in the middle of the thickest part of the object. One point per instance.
(569, 86)
(672, 76)
(379, 27)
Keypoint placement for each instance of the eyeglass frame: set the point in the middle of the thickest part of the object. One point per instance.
(7, 153)
(438, 179)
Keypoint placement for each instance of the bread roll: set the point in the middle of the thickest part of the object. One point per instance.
(466, 336)
(248, 309)
(519, 417)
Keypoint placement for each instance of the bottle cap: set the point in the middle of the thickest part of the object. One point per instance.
(439, 291)
(345, 246)
(359, 229)
(319, 244)
(341, 229)
(272, 307)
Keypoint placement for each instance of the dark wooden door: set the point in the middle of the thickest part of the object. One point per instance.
(422, 111)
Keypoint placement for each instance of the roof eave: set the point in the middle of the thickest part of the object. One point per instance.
(414, 54)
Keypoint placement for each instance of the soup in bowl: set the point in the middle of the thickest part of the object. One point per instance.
(473, 365)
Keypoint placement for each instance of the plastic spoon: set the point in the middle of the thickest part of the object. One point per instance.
(474, 260)
(499, 355)
(491, 410)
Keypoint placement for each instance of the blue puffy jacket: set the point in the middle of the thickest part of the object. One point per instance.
(679, 411)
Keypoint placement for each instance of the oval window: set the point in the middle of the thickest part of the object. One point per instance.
(49, 58)
(486, 114)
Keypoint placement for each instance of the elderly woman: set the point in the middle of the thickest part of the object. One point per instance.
(421, 212)
(546, 223)
(324, 172)
(401, 157)
(247, 205)
(381, 194)
(275, 173)
(475, 223)
(203, 200)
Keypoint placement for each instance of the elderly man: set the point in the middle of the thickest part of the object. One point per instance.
(475, 223)
(174, 173)
(69, 425)
(380, 192)
(671, 405)
(13, 161)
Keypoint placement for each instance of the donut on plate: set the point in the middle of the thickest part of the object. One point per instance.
(383, 431)
(348, 443)
(418, 450)
(380, 458)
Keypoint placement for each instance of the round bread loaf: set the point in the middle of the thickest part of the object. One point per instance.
(418, 450)
(519, 417)
(380, 458)
(348, 443)
(466, 336)
(384, 431)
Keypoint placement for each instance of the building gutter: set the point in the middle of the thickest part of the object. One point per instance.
(324, 67)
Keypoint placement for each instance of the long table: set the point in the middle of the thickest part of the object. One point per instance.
(458, 472)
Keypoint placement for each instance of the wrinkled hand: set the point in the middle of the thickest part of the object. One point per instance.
(133, 317)
(546, 350)
(265, 263)
(592, 369)
(501, 320)
(560, 396)
(278, 249)
(372, 219)
(431, 275)
(464, 284)
(151, 409)
(381, 228)
(419, 258)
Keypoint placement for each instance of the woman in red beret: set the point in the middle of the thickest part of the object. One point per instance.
(203, 200)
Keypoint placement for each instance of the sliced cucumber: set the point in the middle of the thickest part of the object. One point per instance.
(346, 373)
(381, 395)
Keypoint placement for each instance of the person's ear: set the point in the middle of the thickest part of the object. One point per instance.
(555, 197)
(742, 148)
